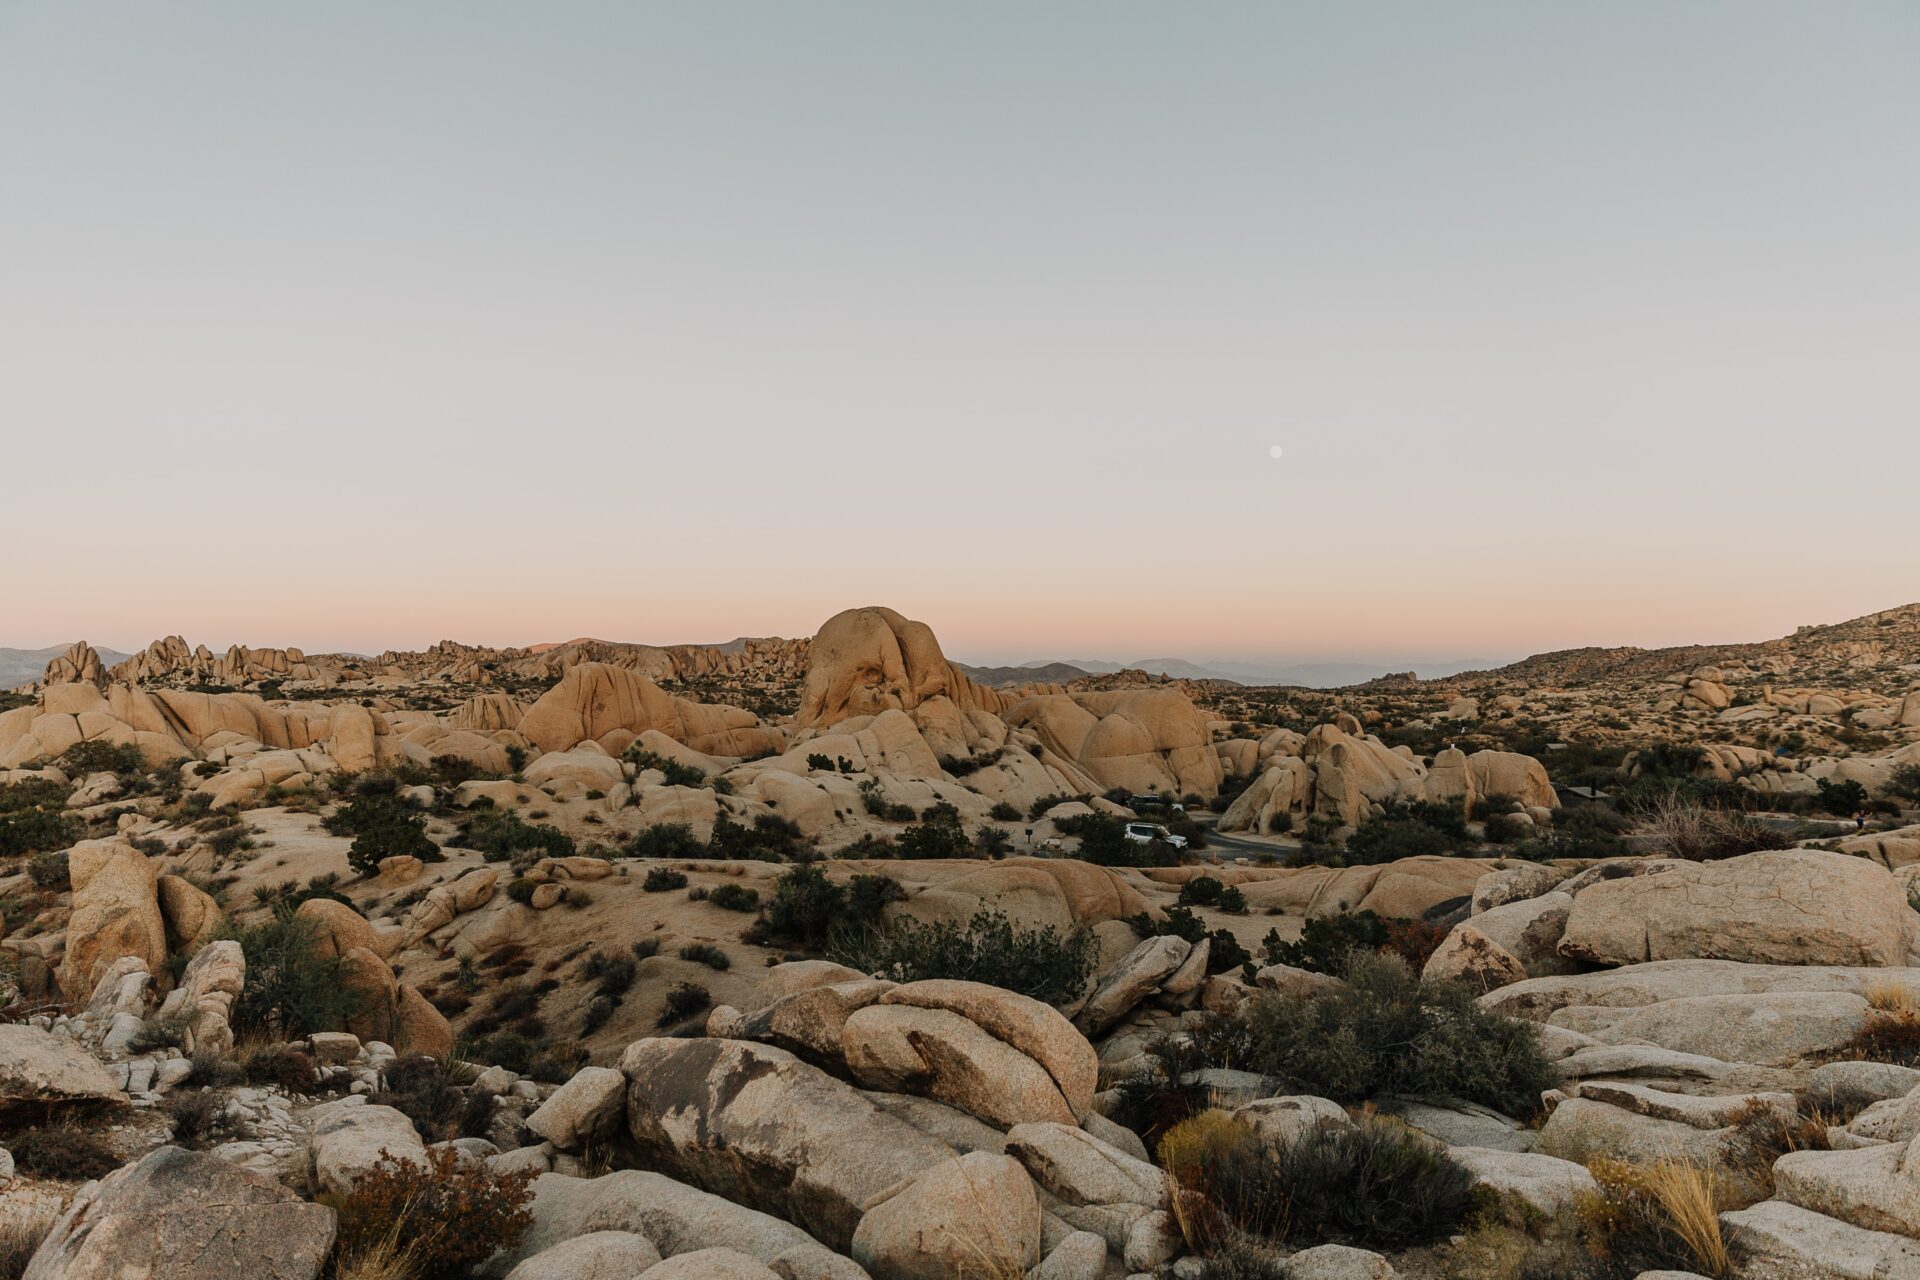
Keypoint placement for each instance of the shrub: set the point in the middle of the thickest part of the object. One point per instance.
(645, 948)
(383, 826)
(453, 1214)
(685, 1000)
(677, 774)
(50, 871)
(1225, 953)
(663, 879)
(97, 755)
(24, 1229)
(1845, 798)
(940, 836)
(282, 1065)
(1004, 812)
(1663, 1217)
(1904, 782)
(1202, 891)
(1385, 1032)
(614, 973)
(993, 842)
(520, 889)
(500, 1049)
(62, 1151)
(1103, 842)
(1375, 1184)
(805, 905)
(23, 831)
(707, 954)
(421, 1088)
(769, 839)
(734, 897)
(1386, 839)
(666, 840)
(1675, 827)
(868, 896)
(292, 988)
(1033, 962)
(499, 835)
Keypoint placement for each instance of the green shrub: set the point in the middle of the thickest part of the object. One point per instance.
(1103, 842)
(734, 897)
(769, 839)
(1384, 1032)
(50, 871)
(1326, 942)
(520, 889)
(672, 840)
(1202, 891)
(424, 1091)
(1388, 839)
(1225, 953)
(939, 836)
(614, 973)
(1374, 1185)
(804, 907)
(707, 954)
(499, 835)
(663, 879)
(292, 988)
(27, 830)
(1904, 782)
(33, 793)
(685, 1000)
(1844, 798)
(383, 825)
(100, 756)
(991, 949)
(1004, 812)
(451, 1214)
(677, 774)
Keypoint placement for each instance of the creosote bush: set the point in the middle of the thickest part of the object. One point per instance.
(734, 897)
(1035, 962)
(683, 1001)
(663, 879)
(453, 1215)
(1385, 1032)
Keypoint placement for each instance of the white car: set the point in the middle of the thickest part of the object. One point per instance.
(1148, 832)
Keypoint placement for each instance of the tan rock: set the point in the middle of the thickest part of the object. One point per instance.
(974, 1212)
(116, 912)
(944, 1056)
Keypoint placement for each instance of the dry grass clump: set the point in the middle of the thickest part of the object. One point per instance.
(1664, 1216)
(1678, 828)
(452, 1217)
(21, 1232)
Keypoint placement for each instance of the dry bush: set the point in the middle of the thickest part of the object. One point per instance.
(21, 1232)
(1674, 827)
(453, 1216)
(63, 1151)
(1761, 1135)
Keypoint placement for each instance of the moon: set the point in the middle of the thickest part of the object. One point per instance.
(1274, 452)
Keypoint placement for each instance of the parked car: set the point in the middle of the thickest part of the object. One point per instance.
(1148, 832)
(1145, 804)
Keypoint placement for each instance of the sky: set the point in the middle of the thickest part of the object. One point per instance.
(357, 326)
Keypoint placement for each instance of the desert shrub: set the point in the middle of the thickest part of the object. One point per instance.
(50, 871)
(292, 988)
(805, 906)
(666, 840)
(677, 774)
(281, 1065)
(685, 1000)
(33, 793)
(939, 836)
(734, 897)
(1384, 1032)
(769, 839)
(645, 948)
(1004, 812)
(1103, 842)
(993, 842)
(65, 1152)
(707, 954)
(422, 1089)
(1180, 922)
(520, 889)
(1202, 891)
(499, 835)
(1657, 1218)
(1675, 827)
(452, 1214)
(1845, 798)
(1592, 831)
(1036, 962)
(24, 831)
(195, 1116)
(97, 755)
(23, 1229)
(1761, 1135)
(1386, 839)
(382, 826)
(868, 896)
(1375, 1184)
(1325, 942)
(500, 1049)
(1904, 782)
(663, 879)
(612, 972)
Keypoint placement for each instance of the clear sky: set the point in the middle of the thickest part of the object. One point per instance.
(356, 325)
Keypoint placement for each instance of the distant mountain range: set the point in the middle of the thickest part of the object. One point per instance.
(1309, 675)
(23, 666)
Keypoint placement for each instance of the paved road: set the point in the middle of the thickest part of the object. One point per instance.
(1221, 845)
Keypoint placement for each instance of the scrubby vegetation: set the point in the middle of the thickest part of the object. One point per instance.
(1326, 943)
(1035, 962)
(501, 836)
(1385, 1032)
(450, 1215)
(383, 825)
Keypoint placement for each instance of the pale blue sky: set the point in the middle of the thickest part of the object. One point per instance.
(369, 324)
